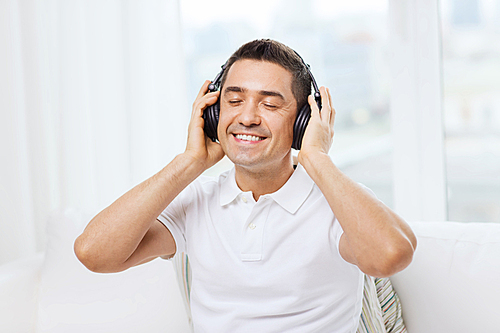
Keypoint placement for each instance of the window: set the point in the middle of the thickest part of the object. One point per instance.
(471, 78)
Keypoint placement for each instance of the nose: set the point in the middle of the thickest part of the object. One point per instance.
(249, 115)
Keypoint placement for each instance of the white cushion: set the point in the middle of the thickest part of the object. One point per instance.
(145, 298)
(453, 283)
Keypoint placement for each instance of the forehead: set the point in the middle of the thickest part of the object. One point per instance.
(259, 75)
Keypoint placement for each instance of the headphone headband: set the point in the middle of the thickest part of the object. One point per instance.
(215, 83)
(317, 94)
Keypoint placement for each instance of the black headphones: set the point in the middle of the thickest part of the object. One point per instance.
(211, 113)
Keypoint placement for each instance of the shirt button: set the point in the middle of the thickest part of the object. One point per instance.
(252, 226)
(244, 199)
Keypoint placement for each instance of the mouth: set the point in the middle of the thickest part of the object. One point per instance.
(248, 138)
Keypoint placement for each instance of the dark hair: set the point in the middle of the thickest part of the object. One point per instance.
(280, 54)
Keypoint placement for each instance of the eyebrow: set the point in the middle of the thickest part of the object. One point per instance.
(261, 92)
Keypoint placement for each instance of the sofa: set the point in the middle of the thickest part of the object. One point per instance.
(452, 285)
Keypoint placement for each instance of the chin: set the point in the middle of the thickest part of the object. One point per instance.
(256, 159)
(244, 161)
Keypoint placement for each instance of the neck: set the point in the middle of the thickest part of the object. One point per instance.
(263, 180)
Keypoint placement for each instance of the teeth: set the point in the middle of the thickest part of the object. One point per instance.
(248, 137)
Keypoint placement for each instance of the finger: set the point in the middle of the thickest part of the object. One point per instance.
(314, 106)
(204, 101)
(325, 105)
(204, 89)
(332, 118)
(201, 93)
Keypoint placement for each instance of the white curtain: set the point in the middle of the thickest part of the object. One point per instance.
(92, 102)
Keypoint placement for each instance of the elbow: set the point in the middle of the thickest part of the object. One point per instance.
(398, 255)
(391, 261)
(91, 259)
(394, 260)
(83, 254)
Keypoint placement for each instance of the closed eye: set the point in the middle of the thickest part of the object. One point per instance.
(270, 106)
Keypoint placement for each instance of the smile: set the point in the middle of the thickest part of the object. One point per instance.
(244, 137)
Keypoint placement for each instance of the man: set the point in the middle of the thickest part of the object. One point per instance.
(271, 248)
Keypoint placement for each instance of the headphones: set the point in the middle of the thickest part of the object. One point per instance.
(211, 113)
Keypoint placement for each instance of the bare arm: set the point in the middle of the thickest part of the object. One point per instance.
(127, 233)
(375, 238)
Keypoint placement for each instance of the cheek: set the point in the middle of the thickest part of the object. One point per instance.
(285, 131)
(289, 127)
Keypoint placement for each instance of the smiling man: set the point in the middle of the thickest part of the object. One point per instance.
(256, 124)
(271, 248)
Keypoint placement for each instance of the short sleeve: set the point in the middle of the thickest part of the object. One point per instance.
(174, 218)
(337, 233)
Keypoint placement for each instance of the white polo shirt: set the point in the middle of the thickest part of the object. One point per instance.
(266, 266)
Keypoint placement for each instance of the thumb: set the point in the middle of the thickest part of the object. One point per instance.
(314, 106)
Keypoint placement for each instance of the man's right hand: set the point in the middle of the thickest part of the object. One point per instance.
(201, 148)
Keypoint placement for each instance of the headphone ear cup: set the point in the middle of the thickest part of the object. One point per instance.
(300, 125)
(211, 117)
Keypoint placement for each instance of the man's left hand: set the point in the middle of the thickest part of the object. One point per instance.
(318, 137)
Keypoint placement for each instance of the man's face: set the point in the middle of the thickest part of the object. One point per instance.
(257, 112)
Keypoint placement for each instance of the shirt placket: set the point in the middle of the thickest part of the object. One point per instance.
(253, 229)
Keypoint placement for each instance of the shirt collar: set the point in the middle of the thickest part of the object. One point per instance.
(229, 190)
(290, 196)
(295, 191)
